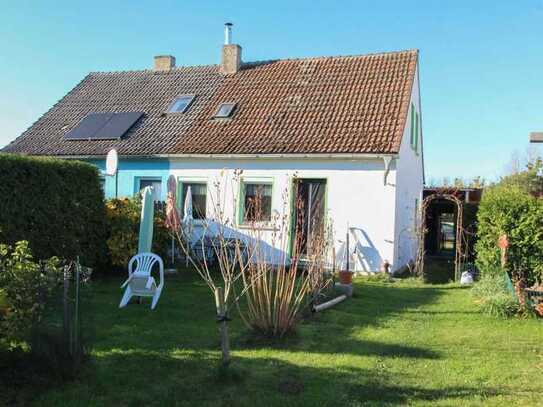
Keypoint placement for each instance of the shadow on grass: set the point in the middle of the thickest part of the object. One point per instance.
(170, 355)
(196, 379)
(185, 318)
(438, 269)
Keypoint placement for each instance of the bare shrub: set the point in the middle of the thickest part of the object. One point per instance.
(236, 263)
(277, 293)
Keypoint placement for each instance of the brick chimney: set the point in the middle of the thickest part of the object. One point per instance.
(231, 53)
(164, 63)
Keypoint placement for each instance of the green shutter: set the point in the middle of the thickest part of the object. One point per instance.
(412, 134)
(416, 144)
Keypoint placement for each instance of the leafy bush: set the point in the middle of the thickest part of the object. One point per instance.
(529, 180)
(26, 287)
(123, 217)
(493, 297)
(56, 205)
(515, 212)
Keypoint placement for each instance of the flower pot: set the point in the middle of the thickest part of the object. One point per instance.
(345, 277)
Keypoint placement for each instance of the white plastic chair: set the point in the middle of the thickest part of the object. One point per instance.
(140, 283)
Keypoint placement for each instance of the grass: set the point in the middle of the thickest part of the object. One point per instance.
(393, 343)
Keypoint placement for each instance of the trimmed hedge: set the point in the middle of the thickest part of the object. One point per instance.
(515, 212)
(56, 205)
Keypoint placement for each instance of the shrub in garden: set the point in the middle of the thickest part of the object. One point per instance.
(56, 205)
(123, 220)
(275, 295)
(26, 286)
(493, 297)
(39, 344)
(511, 210)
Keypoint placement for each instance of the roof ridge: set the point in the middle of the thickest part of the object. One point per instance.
(324, 57)
(264, 61)
(147, 70)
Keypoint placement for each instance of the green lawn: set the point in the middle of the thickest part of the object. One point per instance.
(393, 343)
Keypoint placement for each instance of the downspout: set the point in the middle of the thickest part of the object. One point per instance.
(388, 162)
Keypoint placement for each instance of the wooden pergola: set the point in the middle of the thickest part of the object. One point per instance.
(445, 194)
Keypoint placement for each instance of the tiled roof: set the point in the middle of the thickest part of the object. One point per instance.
(355, 104)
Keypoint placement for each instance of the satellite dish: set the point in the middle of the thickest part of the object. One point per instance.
(112, 161)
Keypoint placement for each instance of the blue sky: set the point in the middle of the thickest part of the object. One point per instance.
(481, 61)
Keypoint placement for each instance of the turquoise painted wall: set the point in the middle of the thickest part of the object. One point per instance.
(130, 173)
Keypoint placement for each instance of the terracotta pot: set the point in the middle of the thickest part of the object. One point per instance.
(345, 277)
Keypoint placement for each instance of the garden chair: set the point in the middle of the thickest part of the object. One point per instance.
(140, 283)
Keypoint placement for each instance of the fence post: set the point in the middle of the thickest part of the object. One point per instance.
(66, 308)
(76, 310)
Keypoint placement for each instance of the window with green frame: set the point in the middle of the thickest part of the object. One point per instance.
(415, 128)
(255, 202)
(198, 191)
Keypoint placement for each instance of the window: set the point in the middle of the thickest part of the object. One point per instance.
(181, 104)
(198, 190)
(156, 184)
(415, 125)
(225, 110)
(256, 202)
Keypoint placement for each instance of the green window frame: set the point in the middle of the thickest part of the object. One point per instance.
(412, 132)
(415, 129)
(246, 203)
(199, 198)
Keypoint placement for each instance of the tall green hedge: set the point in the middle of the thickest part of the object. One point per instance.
(56, 205)
(511, 210)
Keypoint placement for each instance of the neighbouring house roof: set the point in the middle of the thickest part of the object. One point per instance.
(536, 137)
(352, 104)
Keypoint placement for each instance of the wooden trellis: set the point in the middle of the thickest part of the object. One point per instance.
(461, 242)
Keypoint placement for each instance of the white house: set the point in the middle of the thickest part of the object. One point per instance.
(347, 128)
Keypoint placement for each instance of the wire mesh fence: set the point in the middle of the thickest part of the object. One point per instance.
(62, 338)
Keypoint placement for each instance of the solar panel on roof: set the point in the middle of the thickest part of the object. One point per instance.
(117, 126)
(89, 126)
(104, 126)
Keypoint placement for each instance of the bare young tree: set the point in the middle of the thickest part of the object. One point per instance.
(256, 263)
(212, 250)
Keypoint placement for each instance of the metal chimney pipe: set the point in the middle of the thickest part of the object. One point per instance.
(228, 33)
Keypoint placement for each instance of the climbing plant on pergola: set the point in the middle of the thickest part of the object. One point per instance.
(460, 244)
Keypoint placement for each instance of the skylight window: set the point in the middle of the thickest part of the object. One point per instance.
(181, 104)
(225, 110)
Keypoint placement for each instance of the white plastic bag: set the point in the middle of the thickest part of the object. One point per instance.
(466, 278)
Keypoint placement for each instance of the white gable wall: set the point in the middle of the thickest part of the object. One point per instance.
(355, 196)
(409, 186)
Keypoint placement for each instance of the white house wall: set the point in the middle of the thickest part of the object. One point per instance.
(355, 196)
(409, 186)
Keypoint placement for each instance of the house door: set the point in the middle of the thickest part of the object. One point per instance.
(308, 214)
